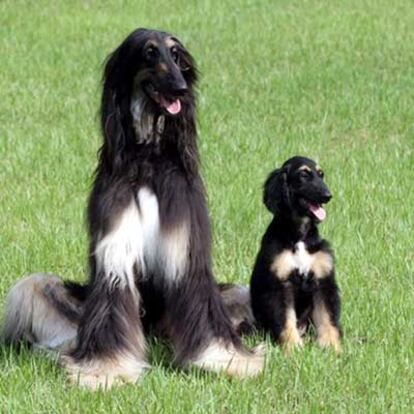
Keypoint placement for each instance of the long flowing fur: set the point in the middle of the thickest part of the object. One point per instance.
(150, 254)
(42, 312)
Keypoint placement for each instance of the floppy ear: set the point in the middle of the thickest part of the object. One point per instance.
(187, 65)
(114, 111)
(276, 191)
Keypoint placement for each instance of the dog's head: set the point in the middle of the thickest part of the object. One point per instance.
(297, 189)
(154, 65)
(148, 93)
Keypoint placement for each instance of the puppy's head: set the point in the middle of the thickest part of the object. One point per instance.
(156, 67)
(297, 189)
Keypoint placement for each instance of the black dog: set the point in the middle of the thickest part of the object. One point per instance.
(293, 280)
(149, 232)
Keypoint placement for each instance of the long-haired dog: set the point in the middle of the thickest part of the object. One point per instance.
(150, 259)
(293, 281)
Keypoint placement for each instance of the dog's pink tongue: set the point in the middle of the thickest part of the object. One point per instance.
(317, 211)
(173, 107)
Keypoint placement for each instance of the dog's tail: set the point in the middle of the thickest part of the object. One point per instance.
(41, 311)
(44, 311)
(236, 299)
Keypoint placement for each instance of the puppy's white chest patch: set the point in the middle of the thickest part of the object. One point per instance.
(301, 259)
(320, 263)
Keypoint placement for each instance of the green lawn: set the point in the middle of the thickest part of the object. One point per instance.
(333, 80)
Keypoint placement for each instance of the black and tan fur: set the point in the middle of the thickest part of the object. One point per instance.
(150, 242)
(293, 281)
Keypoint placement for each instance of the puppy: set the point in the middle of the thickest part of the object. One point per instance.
(293, 281)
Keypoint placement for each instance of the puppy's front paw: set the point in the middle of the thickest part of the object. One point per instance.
(329, 338)
(291, 339)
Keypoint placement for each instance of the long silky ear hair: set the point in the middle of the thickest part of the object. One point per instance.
(116, 120)
(114, 127)
(276, 195)
(187, 65)
(187, 143)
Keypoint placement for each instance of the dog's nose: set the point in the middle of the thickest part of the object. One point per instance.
(326, 196)
(179, 87)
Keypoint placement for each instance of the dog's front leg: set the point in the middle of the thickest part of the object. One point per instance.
(326, 313)
(110, 345)
(202, 333)
(289, 335)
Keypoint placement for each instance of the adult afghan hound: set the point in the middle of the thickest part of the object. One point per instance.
(150, 259)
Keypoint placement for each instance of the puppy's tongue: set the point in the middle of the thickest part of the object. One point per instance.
(317, 211)
(173, 107)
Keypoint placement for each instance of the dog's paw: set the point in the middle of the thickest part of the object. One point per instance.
(329, 338)
(94, 382)
(104, 373)
(239, 363)
(260, 349)
(291, 339)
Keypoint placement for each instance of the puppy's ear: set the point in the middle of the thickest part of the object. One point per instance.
(276, 191)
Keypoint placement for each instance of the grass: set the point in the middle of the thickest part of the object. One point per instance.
(331, 80)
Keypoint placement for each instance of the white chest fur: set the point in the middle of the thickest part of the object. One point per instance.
(137, 241)
(301, 259)
(320, 263)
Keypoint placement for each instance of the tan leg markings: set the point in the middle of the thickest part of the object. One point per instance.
(126, 365)
(322, 264)
(290, 336)
(218, 357)
(328, 335)
(283, 265)
(105, 373)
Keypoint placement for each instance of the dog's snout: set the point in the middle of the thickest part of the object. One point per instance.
(179, 86)
(326, 196)
(177, 83)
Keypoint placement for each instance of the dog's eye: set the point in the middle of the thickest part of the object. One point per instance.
(321, 173)
(305, 174)
(151, 52)
(174, 54)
